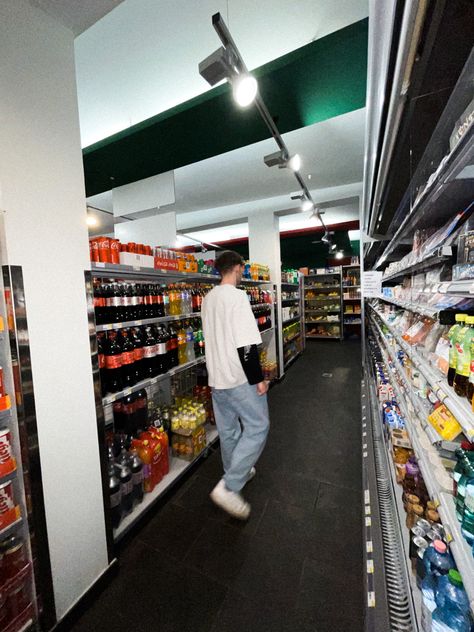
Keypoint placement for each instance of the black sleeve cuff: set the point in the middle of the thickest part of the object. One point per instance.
(251, 364)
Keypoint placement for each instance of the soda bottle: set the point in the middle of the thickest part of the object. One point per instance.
(453, 332)
(115, 496)
(181, 343)
(101, 360)
(138, 344)
(129, 421)
(190, 356)
(166, 338)
(199, 339)
(125, 476)
(141, 410)
(149, 354)
(166, 301)
(113, 364)
(463, 361)
(133, 302)
(162, 351)
(136, 465)
(129, 374)
(146, 455)
(98, 298)
(173, 346)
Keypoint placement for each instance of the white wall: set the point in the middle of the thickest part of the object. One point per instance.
(42, 192)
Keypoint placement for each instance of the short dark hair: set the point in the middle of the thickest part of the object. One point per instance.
(227, 260)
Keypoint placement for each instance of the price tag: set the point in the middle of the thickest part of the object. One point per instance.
(108, 327)
(369, 546)
(471, 288)
(138, 322)
(370, 567)
(368, 521)
(136, 268)
(127, 391)
(367, 510)
(100, 264)
(371, 599)
(443, 288)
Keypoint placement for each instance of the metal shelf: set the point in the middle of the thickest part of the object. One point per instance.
(323, 337)
(350, 287)
(424, 310)
(323, 322)
(352, 322)
(328, 287)
(288, 340)
(177, 468)
(117, 270)
(109, 399)
(319, 300)
(352, 298)
(289, 284)
(147, 321)
(439, 256)
(4, 533)
(9, 477)
(291, 320)
(323, 274)
(289, 362)
(264, 331)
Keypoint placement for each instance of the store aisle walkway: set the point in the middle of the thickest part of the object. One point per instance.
(296, 566)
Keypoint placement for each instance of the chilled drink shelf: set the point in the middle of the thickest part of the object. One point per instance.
(109, 399)
(147, 321)
(460, 549)
(177, 468)
(459, 406)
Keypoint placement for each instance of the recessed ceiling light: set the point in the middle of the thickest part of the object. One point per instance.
(309, 176)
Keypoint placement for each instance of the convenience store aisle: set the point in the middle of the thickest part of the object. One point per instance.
(296, 565)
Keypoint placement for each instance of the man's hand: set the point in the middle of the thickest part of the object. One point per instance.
(262, 387)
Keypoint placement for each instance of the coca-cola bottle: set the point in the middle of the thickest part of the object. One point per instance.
(126, 302)
(149, 354)
(129, 376)
(160, 302)
(115, 496)
(162, 357)
(129, 415)
(136, 465)
(173, 346)
(141, 311)
(141, 411)
(101, 360)
(114, 304)
(125, 476)
(138, 342)
(98, 300)
(113, 363)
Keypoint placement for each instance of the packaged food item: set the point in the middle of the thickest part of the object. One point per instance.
(445, 424)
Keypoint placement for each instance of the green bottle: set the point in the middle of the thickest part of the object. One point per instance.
(463, 362)
(460, 320)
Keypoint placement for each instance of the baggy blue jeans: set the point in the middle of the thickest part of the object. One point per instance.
(242, 442)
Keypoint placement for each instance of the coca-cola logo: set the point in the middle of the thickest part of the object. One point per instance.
(114, 245)
(6, 501)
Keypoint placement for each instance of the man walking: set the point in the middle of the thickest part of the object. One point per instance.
(239, 392)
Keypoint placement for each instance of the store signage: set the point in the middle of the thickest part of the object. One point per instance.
(372, 284)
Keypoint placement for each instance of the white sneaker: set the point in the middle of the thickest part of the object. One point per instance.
(231, 502)
(252, 473)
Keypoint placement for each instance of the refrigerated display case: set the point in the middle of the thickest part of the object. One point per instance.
(169, 395)
(411, 407)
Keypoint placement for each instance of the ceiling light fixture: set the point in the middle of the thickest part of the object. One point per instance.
(244, 89)
(339, 254)
(227, 63)
(333, 246)
(307, 205)
(91, 220)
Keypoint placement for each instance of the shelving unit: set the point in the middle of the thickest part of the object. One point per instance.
(159, 386)
(292, 321)
(352, 305)
(318, 303)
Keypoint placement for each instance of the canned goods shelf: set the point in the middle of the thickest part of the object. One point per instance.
(109, 399)
(177, 468)
(460, 408)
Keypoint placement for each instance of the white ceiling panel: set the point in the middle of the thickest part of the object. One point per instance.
(143, 57)
(77, 15)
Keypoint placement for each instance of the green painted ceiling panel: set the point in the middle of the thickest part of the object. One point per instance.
(323, 79)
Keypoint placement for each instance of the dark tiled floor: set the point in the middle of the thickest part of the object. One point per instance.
(296, 565)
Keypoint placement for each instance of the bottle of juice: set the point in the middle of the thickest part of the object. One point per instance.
(146, 455)
(463, 343)
(460, 320)
(182, 357)
(470, 384)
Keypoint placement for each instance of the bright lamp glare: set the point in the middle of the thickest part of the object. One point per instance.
(339, 254)
(294, 163)
(91, 220)
(244, 90)
(307, 205)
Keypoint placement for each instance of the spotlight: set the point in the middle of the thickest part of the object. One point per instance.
(307, 205)
(294, 163)
(244, 89)
(339, 254)
(91, 220)
(333, 246)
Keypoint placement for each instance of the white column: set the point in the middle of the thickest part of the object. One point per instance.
(264, 247)
(42, 192)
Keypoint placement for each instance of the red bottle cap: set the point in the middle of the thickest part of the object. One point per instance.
(440, 546)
